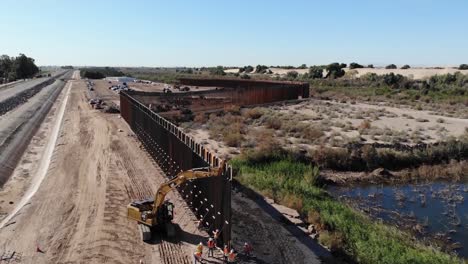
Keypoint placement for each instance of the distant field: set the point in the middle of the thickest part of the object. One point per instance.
(415, 73)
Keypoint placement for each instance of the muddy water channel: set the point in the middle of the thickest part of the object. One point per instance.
(436, 211)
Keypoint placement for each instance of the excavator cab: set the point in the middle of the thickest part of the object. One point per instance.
(166, 212)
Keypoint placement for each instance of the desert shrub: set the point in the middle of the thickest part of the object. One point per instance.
(228, 128)
(312, 133)
(391, 66)
(463, 67)
(233, 139)
(266, 147)
(422, 120)
(313, 217)
(332, 240)
(334, 158)
(272, 121)
(440, 120)
(365, 124)
(253, 113)
(245, 76)
(405, 67)
(292, 74)
(292, 201)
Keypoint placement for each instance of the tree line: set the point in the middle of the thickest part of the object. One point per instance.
(100, 72)
(14, 68)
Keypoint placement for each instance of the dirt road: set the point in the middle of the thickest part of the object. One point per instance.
(79, 211)
(78, 214)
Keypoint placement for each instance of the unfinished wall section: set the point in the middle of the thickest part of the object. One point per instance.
(174, 151)
(252, 92)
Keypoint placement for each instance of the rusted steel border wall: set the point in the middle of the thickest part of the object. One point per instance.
(252, 92)
(174, 151)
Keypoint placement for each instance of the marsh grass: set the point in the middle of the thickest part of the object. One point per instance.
(294, 183)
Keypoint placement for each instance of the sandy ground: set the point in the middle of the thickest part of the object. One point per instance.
(80, 208)
(415, 73)
(342, 122)
(434, 128)
(258, 223)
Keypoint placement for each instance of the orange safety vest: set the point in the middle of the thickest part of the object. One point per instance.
(211, 244)
(232, 256)
(198, 254)
(226, 251)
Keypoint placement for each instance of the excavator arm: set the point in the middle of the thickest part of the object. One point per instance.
(182, 177)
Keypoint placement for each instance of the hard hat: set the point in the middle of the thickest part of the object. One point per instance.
(201, 244)
(245, 243)
(232, 250)
(210, 239)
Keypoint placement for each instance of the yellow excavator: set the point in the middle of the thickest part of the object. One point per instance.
(157, 214)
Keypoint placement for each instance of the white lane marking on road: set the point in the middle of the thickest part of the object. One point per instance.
(44, 163)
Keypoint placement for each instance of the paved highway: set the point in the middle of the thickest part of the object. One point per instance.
(10, 91)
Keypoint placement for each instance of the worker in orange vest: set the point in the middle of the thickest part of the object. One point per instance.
(197, 257)
(226, 253)
(211, 246)
(232, 256)
(247, 249)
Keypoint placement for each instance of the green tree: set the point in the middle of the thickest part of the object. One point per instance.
(463, 67)
(316, 72)
(218, 71)
(5, 66)
(24, 67)
(303, 66)
(391, 66)
(261, 69)
(406, 66)
(354, 65)
(335, 70)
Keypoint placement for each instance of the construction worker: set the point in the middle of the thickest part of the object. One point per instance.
(226, 253)
(200, 247)
(211, 246)
(232, 256)
(197, 257)
(247, 249)
(216, 236)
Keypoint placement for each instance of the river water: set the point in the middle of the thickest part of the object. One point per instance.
(433, 210)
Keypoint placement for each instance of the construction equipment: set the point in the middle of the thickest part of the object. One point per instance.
(157, 214)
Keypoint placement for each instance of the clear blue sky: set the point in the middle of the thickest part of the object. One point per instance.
(219, 32)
